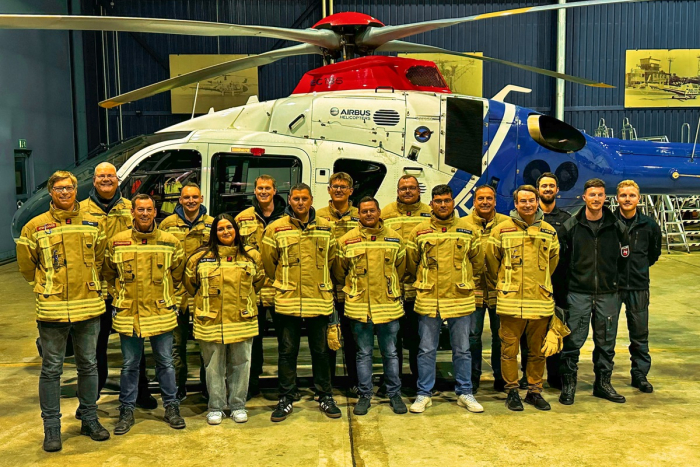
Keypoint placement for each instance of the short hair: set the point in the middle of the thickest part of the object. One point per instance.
(481, 187)
(300, 187)
(627, 183)
(341, 176)
(266, 177)
(593, 183)
(190, 185)
(61, 175)
(368, 199)
(529, 188)
(407, 177)
(139, 197)
(547, 175)
(441, 190)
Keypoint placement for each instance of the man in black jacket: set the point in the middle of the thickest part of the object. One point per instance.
(645, 249)
(596, 246)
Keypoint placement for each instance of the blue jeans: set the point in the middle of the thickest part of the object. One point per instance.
(475, 344)
(364, 337)
(429, 332)
(132, 349)
(53, 337)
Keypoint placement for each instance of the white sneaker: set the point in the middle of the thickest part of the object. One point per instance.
(468, 401)
(215, 417)
(420, 404)
(239, 416)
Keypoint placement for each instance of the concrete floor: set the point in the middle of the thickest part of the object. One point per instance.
(650, 429)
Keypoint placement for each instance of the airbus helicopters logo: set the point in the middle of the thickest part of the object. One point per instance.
(350, 114)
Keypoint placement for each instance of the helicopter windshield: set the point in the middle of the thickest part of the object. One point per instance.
(83, 170)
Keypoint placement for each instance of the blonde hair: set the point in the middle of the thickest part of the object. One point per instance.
(341, 176)
(61, 175)
(628, 183)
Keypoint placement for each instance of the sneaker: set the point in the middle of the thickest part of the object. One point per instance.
(173, 418)
(52, 439)
(469, 402)
(283, 409)
(397, 404)
(537, 400)
(513, 401)
(353, 393)
(215, 417)
(94, 429)
(181, 393)
(146, 402)
(362, 405)
(420, 404)
(240, 416)
(126, 421)
(327, 405)
(78, 416)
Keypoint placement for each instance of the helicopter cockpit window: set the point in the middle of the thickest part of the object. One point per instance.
(367, 176)
(162, 175)
(233, 179)
(425, 76)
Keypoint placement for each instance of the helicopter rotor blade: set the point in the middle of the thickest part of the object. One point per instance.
(210, 72)
(409, 47)
(376, 36)
(321, 38)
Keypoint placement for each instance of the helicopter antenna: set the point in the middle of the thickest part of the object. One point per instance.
(501, 95)
(194, 104)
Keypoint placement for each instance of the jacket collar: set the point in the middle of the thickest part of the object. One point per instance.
(539, 215)
(293, 219)
(180, 211)
(449, 222)
(379, 230)
(104, 204)
(608, 217)
(404, 208)
(480, 221)
(137, 234)
(278, 210)
(337, 213)
(61, 215)
(639, 218)
(227, 250)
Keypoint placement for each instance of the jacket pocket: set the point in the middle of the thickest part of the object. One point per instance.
(245, 313)
(543, 256)
(546, 292)
(465, 289)
(514, 252)
(458, 253)
(321, 252)
(127, 266)
(282, 287)
(88, 249)
(430, 259)
(290, 251)
(54, 293)
(352, 296)
(52, 251)
(158, 270)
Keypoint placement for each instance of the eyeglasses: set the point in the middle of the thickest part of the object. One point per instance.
(406, 189)
(107, 176)
(63, 189)
(340, 187)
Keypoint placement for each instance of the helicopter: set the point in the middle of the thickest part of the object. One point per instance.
(376, 117)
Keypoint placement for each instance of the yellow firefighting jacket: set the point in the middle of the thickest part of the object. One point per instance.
(299, 258)
(60, 253)
(116, 220)
(191, 240)
(485, 291)
(371, 264)
(403, 218)
(520, 259)
(145, 269)
(342, 223)
(251, 228)
(443, 257)
(225, 309)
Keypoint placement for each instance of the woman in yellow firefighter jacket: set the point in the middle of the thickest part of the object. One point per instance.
(223, 277)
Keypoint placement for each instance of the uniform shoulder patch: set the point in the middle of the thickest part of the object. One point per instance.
(392, 239)
(283, 228)
(509, 229)
(423, 232)
(45, 227)
(550, 232)
(122, 243)
(353, 240)
(90, 223)
(425, 214)
(244, 219)
(325, 229)
(466, 231)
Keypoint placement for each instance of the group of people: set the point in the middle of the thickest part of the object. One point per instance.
(400, 271)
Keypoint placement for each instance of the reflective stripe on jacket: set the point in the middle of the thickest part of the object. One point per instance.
(403, 218)
(485, 291)
(225, 308)
(371, 264)
(521, 259)
(60, 253)
(342, 223)
(298, 258)
(443, 257)
(145, 269)
(252, 228)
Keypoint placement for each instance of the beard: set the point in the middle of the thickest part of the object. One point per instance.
(547, 199)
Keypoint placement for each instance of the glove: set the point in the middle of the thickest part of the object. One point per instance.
(333, 336)
(552, 343)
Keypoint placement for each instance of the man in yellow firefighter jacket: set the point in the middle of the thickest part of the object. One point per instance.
(190, 224)
(343, 216)
(60, 254)
(371, 262)
(521, 254)
(298, 251)
(267, 207)
(403, 215)
(145, 266)
(443, 255)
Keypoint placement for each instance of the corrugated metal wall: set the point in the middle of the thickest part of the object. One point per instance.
(597, 38)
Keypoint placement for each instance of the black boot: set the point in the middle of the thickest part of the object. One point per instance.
(640, 382)
(513, 401)
(603, 389)
(173, 418)
(52, 438)
(126, 421)
(499, 385)
(568, 391)
(523, 382)
(94, 429)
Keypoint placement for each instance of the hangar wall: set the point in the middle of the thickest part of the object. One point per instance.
(36, 104)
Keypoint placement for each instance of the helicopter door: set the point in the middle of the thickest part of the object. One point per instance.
(162, 175)
(234, 170)
(464, 137)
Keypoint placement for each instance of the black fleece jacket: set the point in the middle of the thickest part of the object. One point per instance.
(645, 249)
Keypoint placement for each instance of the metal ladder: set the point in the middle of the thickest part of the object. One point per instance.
(691, 224)
(672, 228)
